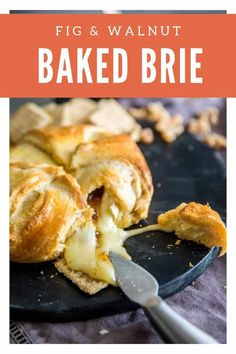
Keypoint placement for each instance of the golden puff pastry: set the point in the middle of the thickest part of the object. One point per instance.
(46, 207)
(54, 145)
(111, 115)
(115, 182)
(75, 111)
(195, 222)
(114, 171)
(27, 117)
(111, 166)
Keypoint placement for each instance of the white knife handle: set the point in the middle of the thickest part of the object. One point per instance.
(172, 327)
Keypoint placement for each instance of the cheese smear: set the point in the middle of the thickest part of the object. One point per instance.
(88, 249)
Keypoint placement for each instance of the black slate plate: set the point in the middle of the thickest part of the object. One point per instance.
(183, 171)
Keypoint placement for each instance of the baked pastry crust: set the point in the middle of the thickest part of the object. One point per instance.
(27, 117)
(114, 179)
(195, 222)
(116, 164)
(58, 143)
(46, 207)
(97, 159)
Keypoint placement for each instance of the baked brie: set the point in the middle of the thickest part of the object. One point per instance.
(115, 183)
(75, 214)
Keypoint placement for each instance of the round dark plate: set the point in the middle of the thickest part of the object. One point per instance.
(186, 171)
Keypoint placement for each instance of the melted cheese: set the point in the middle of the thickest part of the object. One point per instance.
(88, 249)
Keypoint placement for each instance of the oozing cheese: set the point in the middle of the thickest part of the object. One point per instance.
(88, 253)
(88, 249)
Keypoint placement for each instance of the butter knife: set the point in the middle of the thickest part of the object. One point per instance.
(141, 287)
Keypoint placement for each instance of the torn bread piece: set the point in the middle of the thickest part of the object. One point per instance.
(73, 112)
(112, 116)
(27, 117)
(170, 128)
(157, 112)
(215, 141)
(195, 222)
(82, 280)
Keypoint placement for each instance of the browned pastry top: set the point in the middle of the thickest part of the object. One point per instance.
(46, 206)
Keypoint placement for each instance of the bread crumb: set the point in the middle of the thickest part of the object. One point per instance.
(197, 126)
(215, 141)
(138, 113)
(211, 115)
(147, 136)
(157, 112)
(170, 127)
(191, 265)
(203, 123)
(53, 275)
(177, 242)
(193, 283)
(103, 331)
(202, 127)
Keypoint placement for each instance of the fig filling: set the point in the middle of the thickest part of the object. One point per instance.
(94, 200)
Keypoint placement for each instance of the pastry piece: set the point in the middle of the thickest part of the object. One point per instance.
(138, 113)
(202, 127)
(73, 112)
(27, 117)
(82, 280)
(157, 112)
(147, 136)
(113, 117)
(29, 153)
(55, 144)
(117, 166)
(46, 207)
(170, 128)
(199, 127)
(195, 222)
(215, 141)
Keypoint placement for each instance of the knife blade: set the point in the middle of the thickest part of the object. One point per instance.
(141, 287)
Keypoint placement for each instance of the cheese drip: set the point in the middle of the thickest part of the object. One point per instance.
(88, 249)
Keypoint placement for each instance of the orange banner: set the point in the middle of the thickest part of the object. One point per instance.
(84, 55)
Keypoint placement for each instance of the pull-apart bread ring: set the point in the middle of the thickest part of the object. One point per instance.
(75, 214)
(106, 166)
(46, 207)
(113, 181)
